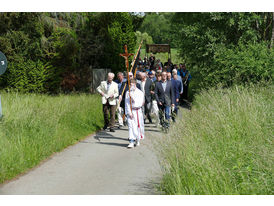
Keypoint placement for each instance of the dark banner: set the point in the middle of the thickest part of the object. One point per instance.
(157, 48)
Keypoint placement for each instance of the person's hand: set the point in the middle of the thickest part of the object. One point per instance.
(152, 92)
(172, 105)
(111, 96)
(131, 116)
(177, 100)
(120, 98)
(102, 94)
(132, 100)
(160, 103)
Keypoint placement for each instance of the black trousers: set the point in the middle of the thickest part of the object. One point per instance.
(185, 92)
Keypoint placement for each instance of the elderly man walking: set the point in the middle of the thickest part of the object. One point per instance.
(165, 97)
(109, 91)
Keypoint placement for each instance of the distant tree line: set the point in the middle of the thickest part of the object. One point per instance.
(225, 48)
(53, 52)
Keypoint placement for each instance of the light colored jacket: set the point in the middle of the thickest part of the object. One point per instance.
(113, 89)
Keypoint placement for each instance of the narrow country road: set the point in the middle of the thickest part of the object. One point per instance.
(101, 164)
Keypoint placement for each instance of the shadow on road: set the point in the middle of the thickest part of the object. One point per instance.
(105, 135)
(113, 144)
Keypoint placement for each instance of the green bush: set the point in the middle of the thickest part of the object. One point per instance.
(224, 145)
(250, 62)
(68, 43)
(227, 48)
(28, 76)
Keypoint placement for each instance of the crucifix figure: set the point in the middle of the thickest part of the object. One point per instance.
(126, 55)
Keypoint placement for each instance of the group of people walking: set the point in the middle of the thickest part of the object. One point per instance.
(156, 91)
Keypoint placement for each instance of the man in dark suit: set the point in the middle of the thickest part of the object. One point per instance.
(146, 88)
(177, 88)
(164, 95)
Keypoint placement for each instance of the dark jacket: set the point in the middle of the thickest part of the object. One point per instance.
(177, 87)
(165, 97)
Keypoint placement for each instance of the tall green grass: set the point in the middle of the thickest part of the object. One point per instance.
(224, 145)
(35, 126)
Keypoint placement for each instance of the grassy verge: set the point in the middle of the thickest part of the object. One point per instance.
(224, 145)
(35, 126)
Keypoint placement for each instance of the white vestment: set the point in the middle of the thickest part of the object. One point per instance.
(136, 124)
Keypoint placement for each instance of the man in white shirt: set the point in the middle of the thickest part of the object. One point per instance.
(109, 91)
(134, 114)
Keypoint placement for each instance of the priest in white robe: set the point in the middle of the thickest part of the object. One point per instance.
(135, 114)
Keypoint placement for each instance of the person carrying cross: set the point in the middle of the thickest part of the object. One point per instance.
(134, 102)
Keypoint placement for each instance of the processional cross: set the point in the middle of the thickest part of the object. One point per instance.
(126, 55)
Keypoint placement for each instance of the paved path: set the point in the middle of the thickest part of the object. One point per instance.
(100, 164)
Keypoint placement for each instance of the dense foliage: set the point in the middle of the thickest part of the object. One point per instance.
(158, 26)
(225, 47)
(52, 51)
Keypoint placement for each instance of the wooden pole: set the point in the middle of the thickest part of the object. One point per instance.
(132, 65)
(136, 56)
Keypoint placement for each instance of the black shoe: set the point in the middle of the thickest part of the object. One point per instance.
(105, 127)
(111, 130)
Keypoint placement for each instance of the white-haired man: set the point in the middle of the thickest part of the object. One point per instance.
(109, 91)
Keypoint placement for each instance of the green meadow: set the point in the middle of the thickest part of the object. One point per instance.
(35, 126)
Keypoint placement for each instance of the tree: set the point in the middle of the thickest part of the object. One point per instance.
(158, 26)
(211, 42)
(60, 45)
(143, 36)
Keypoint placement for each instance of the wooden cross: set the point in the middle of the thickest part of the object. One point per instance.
(126, 55)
